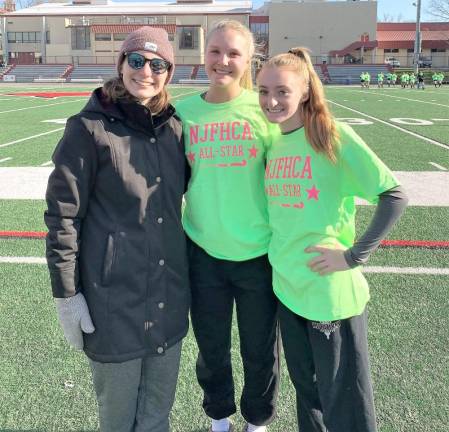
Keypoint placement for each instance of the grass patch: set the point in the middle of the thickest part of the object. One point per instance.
(409, 362)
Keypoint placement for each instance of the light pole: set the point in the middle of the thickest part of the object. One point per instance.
(417, 49)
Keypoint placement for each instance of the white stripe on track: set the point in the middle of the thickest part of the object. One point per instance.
(407, 270)
(30, 137)
(22, 260)
(445, 146)
(41, 106)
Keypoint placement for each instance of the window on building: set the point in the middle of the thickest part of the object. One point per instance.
(410, 50)
(260, 30)
(25, 37)
(102, 36)
(188, 37)
(141, 20)
(47, 36)
(120, 36)
(391, 50)
(80, 38)
(438, 50)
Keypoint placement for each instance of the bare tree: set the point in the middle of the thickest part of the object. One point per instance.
(439, 9)
(387, 18)
(23, 4)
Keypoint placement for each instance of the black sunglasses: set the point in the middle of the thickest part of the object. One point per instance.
(157, 65)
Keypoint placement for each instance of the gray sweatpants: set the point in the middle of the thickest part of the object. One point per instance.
(137, 395)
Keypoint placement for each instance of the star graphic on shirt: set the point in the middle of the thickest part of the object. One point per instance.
(191, 157)
(312, 193)
(253, 152)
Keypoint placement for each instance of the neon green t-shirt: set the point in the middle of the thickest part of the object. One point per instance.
(380, 77)
(311, 202)
(405, 77)
(226, 210)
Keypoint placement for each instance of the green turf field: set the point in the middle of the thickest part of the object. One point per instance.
(45, 385)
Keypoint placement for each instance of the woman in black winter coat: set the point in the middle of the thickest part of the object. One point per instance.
(116, 248)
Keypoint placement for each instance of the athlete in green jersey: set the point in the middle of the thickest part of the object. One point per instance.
(314, 171)
(380, 80)
(226, 220)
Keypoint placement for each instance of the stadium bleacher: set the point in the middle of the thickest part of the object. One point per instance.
(29, 73)
(201, 74)
(350, 74)
(319, 71)
(92, 72)
(182, 72)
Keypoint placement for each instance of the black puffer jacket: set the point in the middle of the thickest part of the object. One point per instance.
(115, 233)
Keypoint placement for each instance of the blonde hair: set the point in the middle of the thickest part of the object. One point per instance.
(247, 80)
(319, 124)
(114, 89)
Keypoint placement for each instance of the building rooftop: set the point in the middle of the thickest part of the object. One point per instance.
(108, 7)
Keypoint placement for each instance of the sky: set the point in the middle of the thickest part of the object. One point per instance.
(397, 10)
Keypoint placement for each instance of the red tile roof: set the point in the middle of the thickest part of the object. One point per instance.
(402, 35)
(409, 35)
(128, 28)
(432, 26)
(354, 46)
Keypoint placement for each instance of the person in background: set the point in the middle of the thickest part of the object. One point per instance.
(421, 80)
(314, 171)
(226, 220)
(380, 80)
(116, 249)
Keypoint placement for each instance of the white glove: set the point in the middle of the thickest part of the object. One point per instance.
(74, 318)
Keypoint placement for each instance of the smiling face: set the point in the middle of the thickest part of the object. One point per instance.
(143, 83)
(226, 58)
(280, 93)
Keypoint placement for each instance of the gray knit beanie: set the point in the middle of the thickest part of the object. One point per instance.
(151, 39)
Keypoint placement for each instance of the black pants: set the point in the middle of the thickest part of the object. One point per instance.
(329, 366)
(216, 284)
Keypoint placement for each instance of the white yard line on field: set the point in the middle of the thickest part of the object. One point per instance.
(406, 270)
(47, 163)
(59, 129)
(5, 159)
(184, 94)
(374, 93)
(368, 269)
(41, 106)
(445, 146)
(442, 168)
(30, 137)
